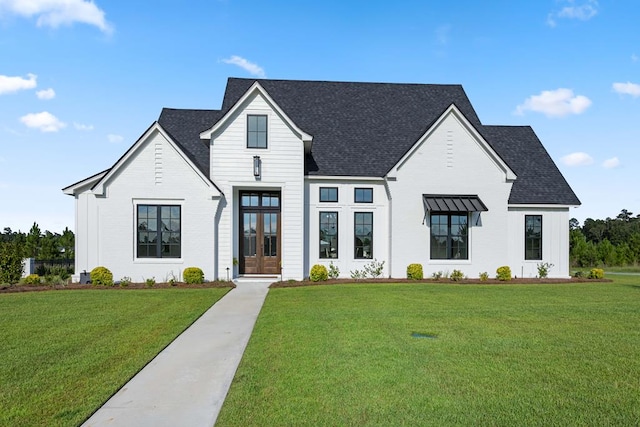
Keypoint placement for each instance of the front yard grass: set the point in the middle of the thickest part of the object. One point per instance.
(64, 353)
(500, 355)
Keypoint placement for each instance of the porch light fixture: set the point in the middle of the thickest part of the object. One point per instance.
(257, 166)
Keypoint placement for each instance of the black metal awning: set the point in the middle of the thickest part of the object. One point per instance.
(453, 203)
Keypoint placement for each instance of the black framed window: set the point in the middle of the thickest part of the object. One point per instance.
(363, 235)
(363, 195)
(328, 234)
(158, 231)
(328, 194)
(449, 235)
(256, 131)
(533, 237)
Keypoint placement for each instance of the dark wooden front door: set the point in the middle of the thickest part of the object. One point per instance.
(260, 232)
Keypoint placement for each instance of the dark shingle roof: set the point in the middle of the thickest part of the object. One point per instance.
(363, 129)
(185, 126)
(539, 180)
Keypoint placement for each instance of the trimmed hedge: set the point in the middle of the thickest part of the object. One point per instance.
(414, 272)
(503, 273)
(318, 273)
(193, 275)
(101, 276)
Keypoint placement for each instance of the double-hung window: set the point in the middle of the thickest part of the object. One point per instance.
(158, 231)
(533, 237)
(449, 235)
(363, 235)
(256, 131)
(328, 234)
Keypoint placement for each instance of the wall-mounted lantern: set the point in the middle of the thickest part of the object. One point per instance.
(257, 166)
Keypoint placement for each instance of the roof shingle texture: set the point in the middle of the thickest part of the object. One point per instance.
(364, 129)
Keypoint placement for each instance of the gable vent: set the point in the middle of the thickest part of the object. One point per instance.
(449, 148)
(158, 163)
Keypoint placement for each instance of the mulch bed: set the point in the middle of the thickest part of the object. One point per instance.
(77, 286)
(514, 281)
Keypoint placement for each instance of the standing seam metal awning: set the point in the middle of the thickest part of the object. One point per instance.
(453, 203)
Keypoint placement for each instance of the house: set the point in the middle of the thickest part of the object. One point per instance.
(288, 174)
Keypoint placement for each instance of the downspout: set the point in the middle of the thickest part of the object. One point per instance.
(389, 227)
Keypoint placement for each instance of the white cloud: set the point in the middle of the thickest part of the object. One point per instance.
(46, 94)
(44, 121)
(627, 88)
(252, 68)
(555, 103)
(113, 138)
(80, 126)
(611, 163)
(14, 84)
(581, 11)
(54, 13)
(577, 159)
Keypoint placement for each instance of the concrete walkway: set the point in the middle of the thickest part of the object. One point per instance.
(186, 384)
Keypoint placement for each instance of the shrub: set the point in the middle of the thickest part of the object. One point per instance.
(596, 273)
(456, 275)
(503, 273)
(357, 274)
(150, 282)
(484, 276)
(414, 272)
(193, 275)
(55, 280)
(436, 275)
(543, 269)
(125, 281)
(318, 273)
(333, 272)
(373, 269)
(101, 276)
(578, 274)
(11, 263)
(32, 279)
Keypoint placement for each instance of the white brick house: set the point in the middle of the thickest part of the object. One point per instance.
(288, 174)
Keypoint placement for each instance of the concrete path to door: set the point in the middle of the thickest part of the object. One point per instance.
(186, 383)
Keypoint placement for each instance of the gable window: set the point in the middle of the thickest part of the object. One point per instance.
(449, 235)
(363, 235)
(533, 237)
(363, 195)
(158, 234)
(256, 131)
(328, 194)
(328, 234)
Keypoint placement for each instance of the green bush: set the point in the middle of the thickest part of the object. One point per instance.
(11, 262)
(543, 269)
(318, 273)
(101, 276)
(32, 279)
(150, 282)
(484, 276)
(436, 275)
(456, 275)
(503, 273)
(414, 272)
(125, 281)
(334, 272)
(193, 275)
(596, 273)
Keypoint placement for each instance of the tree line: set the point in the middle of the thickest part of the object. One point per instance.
(40, 245)
(605, 242)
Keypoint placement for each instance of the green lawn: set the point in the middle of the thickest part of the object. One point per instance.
(64, 353)
(502, 355)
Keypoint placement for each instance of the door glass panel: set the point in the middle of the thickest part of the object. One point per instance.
(250, 221)
(270, 234)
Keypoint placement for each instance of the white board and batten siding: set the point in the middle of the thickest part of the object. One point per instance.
(449, 160)
(282, 169)
(346, 207)
(155, 173)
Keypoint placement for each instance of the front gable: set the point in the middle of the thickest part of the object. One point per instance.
(155, 161)
(452, 142)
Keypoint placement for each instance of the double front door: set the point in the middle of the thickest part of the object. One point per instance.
(260, 232)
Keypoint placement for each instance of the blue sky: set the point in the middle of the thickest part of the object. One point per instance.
(81, 81)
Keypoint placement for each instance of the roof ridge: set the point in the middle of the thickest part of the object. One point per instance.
(346, 82)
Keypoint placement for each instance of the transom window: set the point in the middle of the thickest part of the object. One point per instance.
(533, 237)
(328, 234)
(363, 195)
(449, 235)
(265, 200)
(328, 194)
(158, 233)
(363, 235)
(256, 131)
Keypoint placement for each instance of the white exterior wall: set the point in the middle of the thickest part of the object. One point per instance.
(346, 208)
(155, 174)
(450, 161)
(282, 169)
(555, 241)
